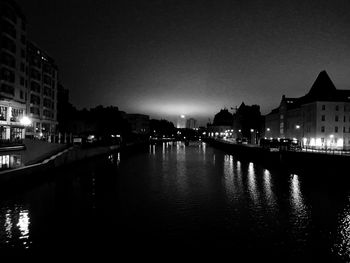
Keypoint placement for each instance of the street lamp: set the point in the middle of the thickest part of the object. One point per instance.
(268, 129)
(25, 121)
(297, 127)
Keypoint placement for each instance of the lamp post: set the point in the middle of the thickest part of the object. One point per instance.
(252, 136)
(25, 121)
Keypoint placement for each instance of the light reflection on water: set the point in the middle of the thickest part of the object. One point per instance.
(269, 194)
(342, 244)
(16, 227)
(183, 185)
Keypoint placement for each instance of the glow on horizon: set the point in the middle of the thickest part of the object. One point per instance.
(171, 108)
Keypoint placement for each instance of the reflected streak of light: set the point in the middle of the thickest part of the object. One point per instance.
(342, 244)
(118, 158)
(268, 188)
(23, 226)
(228, 176)
(297, 198)
(300, 216)
(8, 225)
(252, 183)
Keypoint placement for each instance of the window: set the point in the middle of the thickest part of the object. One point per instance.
(336, 118)
(322, 140)
(23, 53)
(344, 129)
(3, 113)
(35, 74)
(47, 91)
(344, 118)
(323, 107)
(336, 129)
(9, 14)
(8, 28)
(48, 114)
(34, 86)
(16, 133)
(7, 75)
(47, 103)
(47, 68)
(323, 117)
(8, 60)
(22, 67)
(8, 44)
(34, 111)
(23, 39)
(21, 81)
(21, 94)
(34, 99)
(7, 89)
(322, 129)
(16, 114)
(47, 80)
(337, 107)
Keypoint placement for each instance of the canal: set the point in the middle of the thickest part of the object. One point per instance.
(174, 198)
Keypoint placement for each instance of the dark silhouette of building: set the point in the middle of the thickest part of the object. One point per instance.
(247, 123)
(223, 121)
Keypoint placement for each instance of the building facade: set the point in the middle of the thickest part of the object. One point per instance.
(320, 119)
(191, 123)
(41, 92)
(247, 123)
(13, 71)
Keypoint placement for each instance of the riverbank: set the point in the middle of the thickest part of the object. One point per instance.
(294, 161)
(33, 172)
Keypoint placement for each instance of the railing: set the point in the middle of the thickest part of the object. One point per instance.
(10, 142)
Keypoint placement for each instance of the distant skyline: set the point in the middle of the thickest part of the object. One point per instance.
(167, 58)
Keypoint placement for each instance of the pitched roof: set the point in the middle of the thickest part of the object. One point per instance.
(323, 89)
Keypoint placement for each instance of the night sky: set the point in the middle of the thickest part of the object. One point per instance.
(167, 58)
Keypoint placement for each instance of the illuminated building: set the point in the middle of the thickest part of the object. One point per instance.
(191, 123)
(320, 119)
(13, 71)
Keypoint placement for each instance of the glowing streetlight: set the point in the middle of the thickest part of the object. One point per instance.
(251, 130)
(268, 129)
(297, 126)
(25, 121)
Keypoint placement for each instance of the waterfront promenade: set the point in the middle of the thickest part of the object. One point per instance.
(305, 159)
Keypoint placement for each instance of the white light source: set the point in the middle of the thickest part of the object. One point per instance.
(25, 121)
(268, 129)
(340, 143)
(312, 142)
(251, 130)
(297, 126)
(318, 142)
